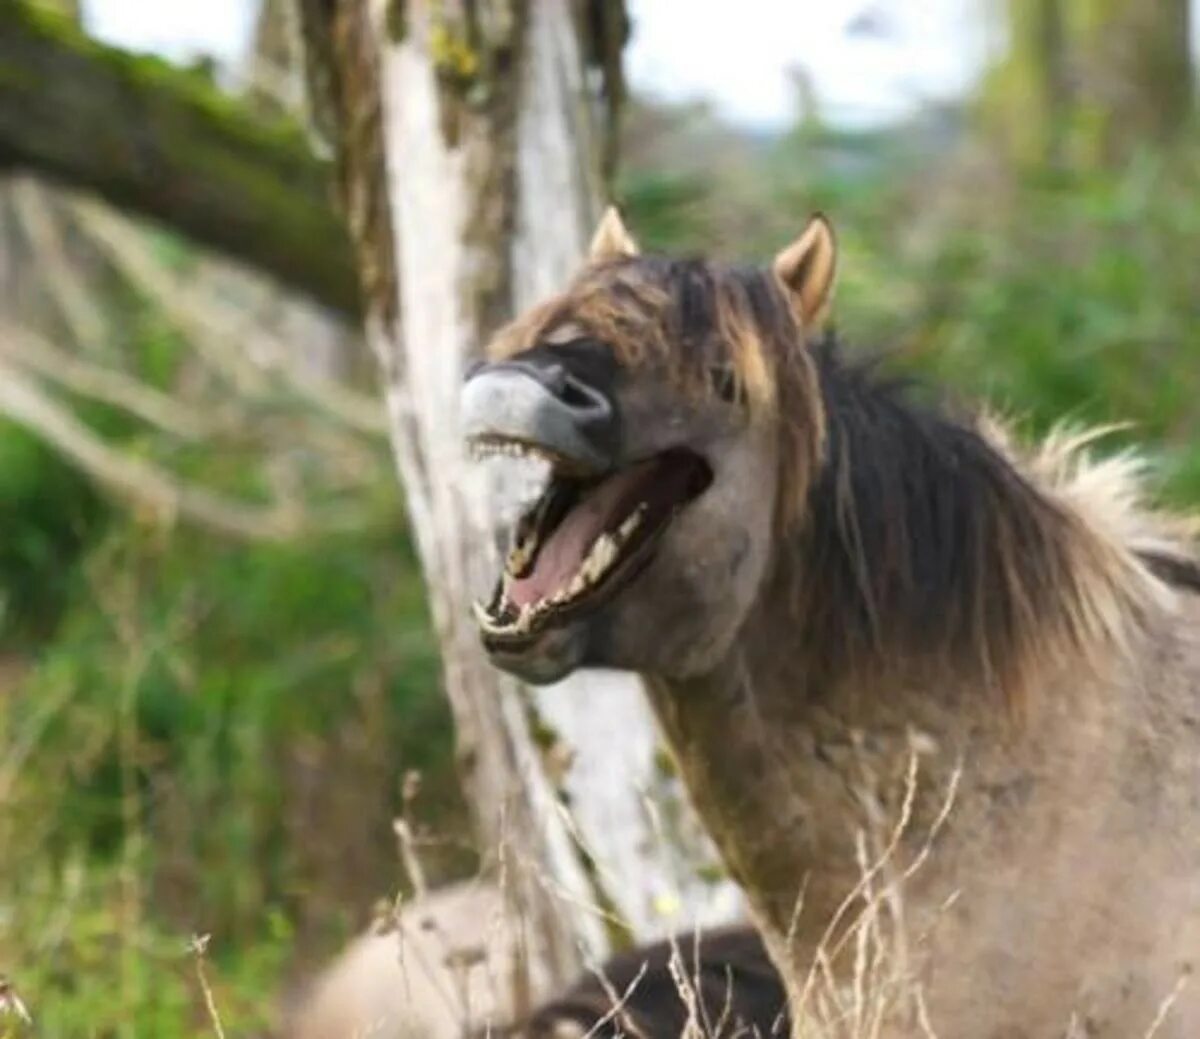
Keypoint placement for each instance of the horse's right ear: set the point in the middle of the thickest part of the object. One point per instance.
(611, 241)
(807, 269)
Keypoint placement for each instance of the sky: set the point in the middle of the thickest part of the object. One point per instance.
(870, 61)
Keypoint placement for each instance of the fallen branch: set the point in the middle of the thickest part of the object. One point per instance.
(224, 338)
(163, 142)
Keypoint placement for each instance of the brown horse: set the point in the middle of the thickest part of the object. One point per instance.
(851, 609)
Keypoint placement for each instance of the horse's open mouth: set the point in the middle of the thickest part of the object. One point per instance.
(585, 539)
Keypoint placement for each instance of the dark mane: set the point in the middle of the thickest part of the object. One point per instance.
(922, 537)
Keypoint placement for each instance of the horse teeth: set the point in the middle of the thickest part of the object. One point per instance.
(631, 522)
(520, 557)
(484, 619)
(600, 559)
(485, 447)
(601, 556)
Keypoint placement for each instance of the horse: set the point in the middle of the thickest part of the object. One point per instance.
(934, 690)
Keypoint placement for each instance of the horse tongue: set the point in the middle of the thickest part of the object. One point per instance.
(562, 553)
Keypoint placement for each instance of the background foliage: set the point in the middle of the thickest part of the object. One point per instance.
(200, 736)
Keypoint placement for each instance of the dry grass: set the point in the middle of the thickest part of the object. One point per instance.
(198, 946)
(879, 992)
(14, 1016)
(864, 980)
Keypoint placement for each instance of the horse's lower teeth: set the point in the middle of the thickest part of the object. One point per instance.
(484, 618)
(601, 558)
(631, 522)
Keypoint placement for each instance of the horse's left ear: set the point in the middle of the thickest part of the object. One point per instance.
(807, 270)
(611, 241)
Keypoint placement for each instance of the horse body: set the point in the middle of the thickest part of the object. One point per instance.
(1064, 882)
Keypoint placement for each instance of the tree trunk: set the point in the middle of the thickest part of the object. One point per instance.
(1086, 81)
(468, 145)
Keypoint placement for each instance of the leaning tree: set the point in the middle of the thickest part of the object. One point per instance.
(473, 143)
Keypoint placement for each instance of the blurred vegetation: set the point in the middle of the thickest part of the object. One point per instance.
(205, 737)
(201, 735)
(212, 739)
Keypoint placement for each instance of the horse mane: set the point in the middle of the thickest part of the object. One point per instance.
(936, 536)
(905, 531)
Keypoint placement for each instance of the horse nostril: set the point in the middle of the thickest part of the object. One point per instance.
(577, 395)
(572, 392)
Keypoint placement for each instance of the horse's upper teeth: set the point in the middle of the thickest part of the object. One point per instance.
(526, 540)
(485, 448)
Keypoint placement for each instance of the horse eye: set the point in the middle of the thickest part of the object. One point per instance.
(724, 383)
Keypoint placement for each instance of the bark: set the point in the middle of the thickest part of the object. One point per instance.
(1086, 82)
(469, 154)
(166, 144)
(273, 71)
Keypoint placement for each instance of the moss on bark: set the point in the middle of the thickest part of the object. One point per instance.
(165, 143)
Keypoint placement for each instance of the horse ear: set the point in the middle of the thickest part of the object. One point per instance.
(611, 241)
(807, 269)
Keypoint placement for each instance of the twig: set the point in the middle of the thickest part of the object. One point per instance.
(104, 384)
(618, 1003)
(1164, 1008)
(408, 855)
(198, 946)
(223, 338)
(128, 251)
(11, 1004)
(40, 225)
